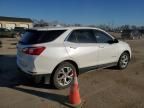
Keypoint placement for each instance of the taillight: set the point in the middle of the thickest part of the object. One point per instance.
(33, 50)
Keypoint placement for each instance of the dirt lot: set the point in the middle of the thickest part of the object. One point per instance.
(105, 88)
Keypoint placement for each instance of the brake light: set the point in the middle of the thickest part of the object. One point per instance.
(33, 50)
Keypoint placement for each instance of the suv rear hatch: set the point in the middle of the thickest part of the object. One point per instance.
(32, 44)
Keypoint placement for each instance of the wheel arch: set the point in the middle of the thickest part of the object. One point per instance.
(70, 61)
(125, 51)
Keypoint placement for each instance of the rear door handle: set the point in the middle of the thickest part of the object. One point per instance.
(73, 47)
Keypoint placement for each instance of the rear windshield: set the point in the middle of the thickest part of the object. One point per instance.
(35, 37)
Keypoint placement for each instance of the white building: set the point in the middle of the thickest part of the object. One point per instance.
(12, 22)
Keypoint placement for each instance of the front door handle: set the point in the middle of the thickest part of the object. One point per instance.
(101, 46)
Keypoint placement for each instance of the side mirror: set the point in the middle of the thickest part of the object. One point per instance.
(113, 41)
(116, 41)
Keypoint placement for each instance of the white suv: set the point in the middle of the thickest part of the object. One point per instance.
(53, 54)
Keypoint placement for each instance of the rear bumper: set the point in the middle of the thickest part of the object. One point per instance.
(35, 65)
(40, 78)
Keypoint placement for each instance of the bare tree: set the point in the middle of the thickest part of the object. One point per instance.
(133, 27)
(104, 27)
(125, 27)
(91, 25)
(40, 23)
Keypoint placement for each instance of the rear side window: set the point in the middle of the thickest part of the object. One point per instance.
(82, 36)
(35, 37)
(72, 37)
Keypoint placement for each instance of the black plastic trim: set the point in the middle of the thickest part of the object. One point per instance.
(87, 69)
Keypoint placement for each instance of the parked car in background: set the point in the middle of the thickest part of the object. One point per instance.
(126, 34)
(53, 54)
(131, 34)
(18, 32)
(5, 33)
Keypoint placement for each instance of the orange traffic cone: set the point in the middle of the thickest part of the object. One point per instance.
(74, 97)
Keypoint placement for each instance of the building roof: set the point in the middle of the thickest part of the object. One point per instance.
(14, 19)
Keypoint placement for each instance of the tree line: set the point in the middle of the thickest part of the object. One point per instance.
(43, 23)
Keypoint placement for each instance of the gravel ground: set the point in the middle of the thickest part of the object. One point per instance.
(104, 88)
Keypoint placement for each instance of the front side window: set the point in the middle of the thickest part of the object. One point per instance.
(82, 36)
(102, 37)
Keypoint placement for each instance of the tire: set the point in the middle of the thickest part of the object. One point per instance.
(123, 60)
(63, 75)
